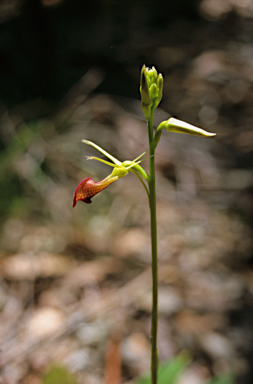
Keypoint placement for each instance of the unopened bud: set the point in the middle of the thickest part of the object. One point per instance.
(151, 87)
(179, 126)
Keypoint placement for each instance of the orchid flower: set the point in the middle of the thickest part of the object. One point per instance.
(88, 188)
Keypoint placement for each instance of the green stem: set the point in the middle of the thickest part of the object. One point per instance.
(153, 227)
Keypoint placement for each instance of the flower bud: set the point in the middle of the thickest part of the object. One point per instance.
(151, 88)
(179, 126)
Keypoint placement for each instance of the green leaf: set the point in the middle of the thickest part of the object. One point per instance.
(226, 378)
(58, 375)
(169, 371)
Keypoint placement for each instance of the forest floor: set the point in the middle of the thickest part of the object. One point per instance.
(76, 283)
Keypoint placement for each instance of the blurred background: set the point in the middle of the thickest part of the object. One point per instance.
(76, 283)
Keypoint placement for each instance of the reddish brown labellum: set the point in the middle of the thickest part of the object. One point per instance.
(88, 188)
